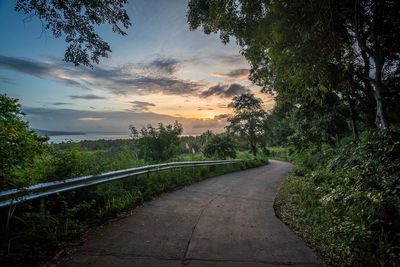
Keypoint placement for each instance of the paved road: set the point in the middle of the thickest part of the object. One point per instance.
(224, 221)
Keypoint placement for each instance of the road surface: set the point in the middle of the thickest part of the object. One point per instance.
(227, 220)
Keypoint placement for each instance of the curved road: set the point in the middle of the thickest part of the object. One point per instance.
(228, 220)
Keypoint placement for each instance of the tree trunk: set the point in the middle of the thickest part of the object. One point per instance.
(253, 148)
(378, 88)
(352, 117)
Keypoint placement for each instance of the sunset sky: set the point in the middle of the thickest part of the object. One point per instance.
(159, 72)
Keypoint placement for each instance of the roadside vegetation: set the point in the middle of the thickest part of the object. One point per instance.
(345, 200)
(334, 70)
(333, 67)
(31, 232)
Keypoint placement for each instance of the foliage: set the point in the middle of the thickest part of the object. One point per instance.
(157, 144)
(248, 119)
(77, 20)
(303, 50)
(30, 236)
(220, 146)
(345, 200)
(18, 145)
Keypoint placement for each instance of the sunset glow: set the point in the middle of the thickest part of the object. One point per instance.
(159, 72)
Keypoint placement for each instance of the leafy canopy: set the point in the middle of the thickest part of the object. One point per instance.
(77, 19)
(18, 145)
(307, 49)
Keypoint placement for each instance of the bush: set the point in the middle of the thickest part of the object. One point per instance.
(157, 144)
(348, 204)
(220, 146)
(19, 146)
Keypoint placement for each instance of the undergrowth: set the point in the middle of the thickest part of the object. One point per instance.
(31, 234)
(345, 201)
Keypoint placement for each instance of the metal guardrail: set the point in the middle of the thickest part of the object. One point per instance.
(44, 189)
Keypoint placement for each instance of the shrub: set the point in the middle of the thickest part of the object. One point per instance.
(221, 146)
(18, 145)
(348, 204)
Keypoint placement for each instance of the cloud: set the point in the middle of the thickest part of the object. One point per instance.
(234, 74)
(236, 89)
(204, 108)
(26, 66)
(221, 116)
(165, 85)
(60, 103)
(225, 90)
(90, 119)
(164, 65)
(155, 76)
(72, 83)
(141, 105)
(229, 59)
(87, 97)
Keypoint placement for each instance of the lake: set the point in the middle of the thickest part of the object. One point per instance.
(88, 136)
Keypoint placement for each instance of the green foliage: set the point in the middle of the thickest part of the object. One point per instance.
(30, 236)
(158, 144)
(345, 201)
(77, 20)
(303, 50)
(18, 145)
(248, 119)
(220, 146)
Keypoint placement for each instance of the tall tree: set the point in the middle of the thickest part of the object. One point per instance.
(76, 19)
(305, 49)
(248, 119)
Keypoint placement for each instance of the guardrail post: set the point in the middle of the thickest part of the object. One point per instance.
(148, 175)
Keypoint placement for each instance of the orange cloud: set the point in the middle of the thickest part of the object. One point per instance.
(234, 74)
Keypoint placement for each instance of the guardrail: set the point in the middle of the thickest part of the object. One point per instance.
(44, 189)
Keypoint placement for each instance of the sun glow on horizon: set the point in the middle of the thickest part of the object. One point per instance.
(91, 119)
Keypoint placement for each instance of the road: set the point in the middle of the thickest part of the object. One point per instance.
(227, 220)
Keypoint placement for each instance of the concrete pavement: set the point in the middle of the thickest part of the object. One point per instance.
(223, 221)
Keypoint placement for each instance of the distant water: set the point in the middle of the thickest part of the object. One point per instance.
(88, 136)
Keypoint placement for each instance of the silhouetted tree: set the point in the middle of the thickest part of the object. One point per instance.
(248, 119)
(76, 19)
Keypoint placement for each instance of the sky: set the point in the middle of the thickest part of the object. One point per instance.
(159, 72)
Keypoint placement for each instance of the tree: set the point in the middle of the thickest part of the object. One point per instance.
(248, 119)
(306, 49)
(18, 145)
(157, 144)
(76, 19)
(220, 145)
(279, 124)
